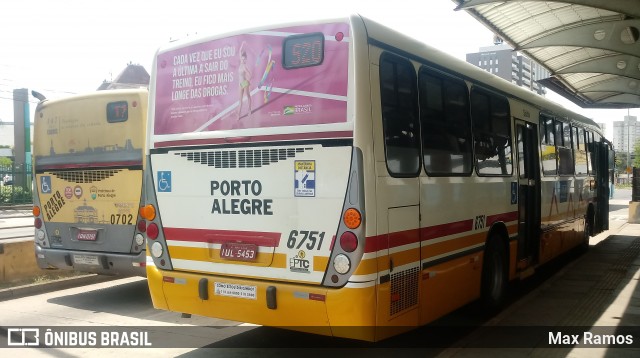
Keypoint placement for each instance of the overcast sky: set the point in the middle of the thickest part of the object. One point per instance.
(61, 47)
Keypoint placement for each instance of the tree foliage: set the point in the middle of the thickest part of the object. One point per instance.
(5, 162)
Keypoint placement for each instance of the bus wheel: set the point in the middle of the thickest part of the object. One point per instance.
(494, 276)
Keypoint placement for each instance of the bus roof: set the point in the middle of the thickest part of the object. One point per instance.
(469, 72)
(115, 92)
(420, 51)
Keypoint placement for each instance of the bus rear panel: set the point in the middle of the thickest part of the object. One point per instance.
(266, 147)
(255, 196)
(88, 170)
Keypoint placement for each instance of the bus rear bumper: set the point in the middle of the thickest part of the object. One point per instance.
(345, 312)
(95, 262)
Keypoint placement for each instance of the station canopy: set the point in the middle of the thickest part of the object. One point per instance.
(590, 47)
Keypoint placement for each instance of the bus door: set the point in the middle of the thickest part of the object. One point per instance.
(528, 193)
(602, 187)
(397, 152)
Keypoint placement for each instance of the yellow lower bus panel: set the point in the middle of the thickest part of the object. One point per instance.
(346, 312)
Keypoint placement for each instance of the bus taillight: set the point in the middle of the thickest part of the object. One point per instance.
(37, 223)
(352, 218)
(348, 241)
(142, 226)
(342, 264)
(350, 235)
(157, 250)
(139, 239)
(36, 211)
(148, 212)
(152, 231)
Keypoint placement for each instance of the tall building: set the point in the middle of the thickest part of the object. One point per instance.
(625, 134)
(502, 61)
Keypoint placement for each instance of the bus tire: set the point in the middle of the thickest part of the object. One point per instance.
(494, 276)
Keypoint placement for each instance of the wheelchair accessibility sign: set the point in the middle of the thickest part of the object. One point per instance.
(45, 184)
(164, 181)
(305, 178)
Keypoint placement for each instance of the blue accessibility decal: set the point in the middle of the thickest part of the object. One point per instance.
(164, 181)
(45, 184)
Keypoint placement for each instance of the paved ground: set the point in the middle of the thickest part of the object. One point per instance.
(599, 292)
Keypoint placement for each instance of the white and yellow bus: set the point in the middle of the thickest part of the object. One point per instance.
(340, 178)
(88, 165)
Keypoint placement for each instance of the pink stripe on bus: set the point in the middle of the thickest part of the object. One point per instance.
(267, 239)
(383, 242)
(506, 217)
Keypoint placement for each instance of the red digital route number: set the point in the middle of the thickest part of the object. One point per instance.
(117, 111)
(303, 50)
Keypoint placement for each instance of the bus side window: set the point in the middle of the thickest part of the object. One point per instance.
(445, 123)
(581, 153)
(399, 96)
(592, 153)
(492, 133)
(548, 146)
(565, 154)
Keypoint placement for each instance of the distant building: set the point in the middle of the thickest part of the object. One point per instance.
(133, 76)
(6, 153)
(625, 134)
(603, 126)
(502, 61)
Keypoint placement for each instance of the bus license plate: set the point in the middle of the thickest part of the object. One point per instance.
(240, 252)
(86, 260)
(87, 235)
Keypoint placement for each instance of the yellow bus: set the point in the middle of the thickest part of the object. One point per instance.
(340, 178)
(88, 164)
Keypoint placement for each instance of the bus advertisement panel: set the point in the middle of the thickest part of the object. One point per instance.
(88, 169)
(253, 81)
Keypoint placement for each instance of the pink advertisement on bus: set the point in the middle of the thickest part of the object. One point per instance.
(281, 77)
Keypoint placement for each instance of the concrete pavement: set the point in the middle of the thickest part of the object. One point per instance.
(597, 292)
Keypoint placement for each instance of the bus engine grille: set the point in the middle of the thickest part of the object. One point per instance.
(246, 158)
(85, 176)
(404, 285)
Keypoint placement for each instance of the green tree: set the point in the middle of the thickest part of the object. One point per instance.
(5, 162)
(636, 155)
(621, 162)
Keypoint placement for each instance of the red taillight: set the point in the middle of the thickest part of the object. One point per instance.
(152, 231)
(37, 223)
(348, 241)
(339, 36)
(142, 226)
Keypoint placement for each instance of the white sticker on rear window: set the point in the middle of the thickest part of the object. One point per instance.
(305, 178)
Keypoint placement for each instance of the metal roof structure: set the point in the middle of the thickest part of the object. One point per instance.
(590, 47)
